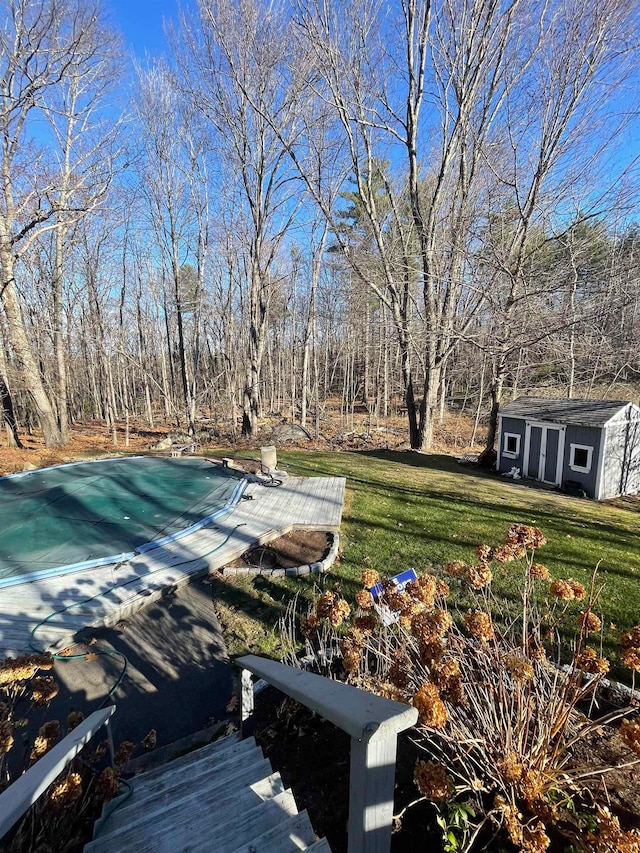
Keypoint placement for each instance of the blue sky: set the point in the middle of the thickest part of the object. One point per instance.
(140, 22)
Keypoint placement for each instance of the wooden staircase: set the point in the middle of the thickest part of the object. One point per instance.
(221, 798)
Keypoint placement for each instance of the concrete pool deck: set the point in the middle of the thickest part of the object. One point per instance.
(101, 596)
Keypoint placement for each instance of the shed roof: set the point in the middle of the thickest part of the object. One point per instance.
(594, 413)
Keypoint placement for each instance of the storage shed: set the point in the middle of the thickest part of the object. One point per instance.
(593, 445)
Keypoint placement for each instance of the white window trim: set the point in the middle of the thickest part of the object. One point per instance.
(507, 453)
(579, 468)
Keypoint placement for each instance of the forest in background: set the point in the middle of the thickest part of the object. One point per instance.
(410, 207)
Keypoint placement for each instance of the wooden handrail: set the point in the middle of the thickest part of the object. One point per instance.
(20, 795)
(373, 723)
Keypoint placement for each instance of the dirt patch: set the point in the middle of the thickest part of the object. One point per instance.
(357, 430)
(298, 548)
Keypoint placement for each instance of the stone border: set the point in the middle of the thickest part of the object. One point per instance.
(318, 568)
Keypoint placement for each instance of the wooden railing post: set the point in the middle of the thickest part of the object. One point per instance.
(373, 723)
(246, 704)
(371, 789)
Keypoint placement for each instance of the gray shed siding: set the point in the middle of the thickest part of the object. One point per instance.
(515, 426)
(621, 475)
(586, 437)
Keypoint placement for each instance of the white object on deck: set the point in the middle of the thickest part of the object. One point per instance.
(269, 462)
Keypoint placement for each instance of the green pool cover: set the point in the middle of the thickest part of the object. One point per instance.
(68, 517)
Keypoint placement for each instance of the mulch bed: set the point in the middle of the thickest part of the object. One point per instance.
(298, 548)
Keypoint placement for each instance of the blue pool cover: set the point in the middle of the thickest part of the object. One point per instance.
(68, 517)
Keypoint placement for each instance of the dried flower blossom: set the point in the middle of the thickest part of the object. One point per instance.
(479, 625)
(123, 753)
(429, 626)
(531, 786)
(369, 578)
(539, 572)
(511, 818)
(456, 568)
(519, 667)
(562, 589)
(630, 734)
(333, 608)
(339, 612)
(351, 659)
(444, 672)
(325, 603)
(364, 599)
(351, 647)
(366, 624)
(430, 650)
(511, 768)
(389, 586)
(478, 575)
(524, 534)
(432, 781)
(611, 838)
(630, 642)
(405, 606)
(442, 589)
(24, 667)
(431, 708)
(589, 622)
(421, 627)
(424, 590)
(6, 737)
(67, 791)
(356, 637)
(43, 690)
(631, 659)
(74, 719)
(400, 671)
(631, 639)
(588, 661)
(48, 736)
(503, 554)
(534, 838)
(447, 677)
(107, 784)
(484, 553)
(537, 652)
(309, 625)
(579, 591)
(390, 691)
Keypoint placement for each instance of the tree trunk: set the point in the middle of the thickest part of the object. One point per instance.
(26, 362)
(62, 401)
(8, 414)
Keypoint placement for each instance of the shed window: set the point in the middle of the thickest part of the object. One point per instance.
(511, 445)
(580, 458)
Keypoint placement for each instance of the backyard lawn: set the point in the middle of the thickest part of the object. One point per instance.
(407, 509)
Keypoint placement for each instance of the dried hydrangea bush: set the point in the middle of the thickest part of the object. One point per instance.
(502, 699)
(79, 792)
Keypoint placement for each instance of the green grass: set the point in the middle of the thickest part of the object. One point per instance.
(408, 509)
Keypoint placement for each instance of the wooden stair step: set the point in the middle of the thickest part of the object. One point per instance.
(196, 827)
(219, 748)
(207, 788)
(289, 836)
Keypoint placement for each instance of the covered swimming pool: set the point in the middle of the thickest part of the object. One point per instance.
(69, 517)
